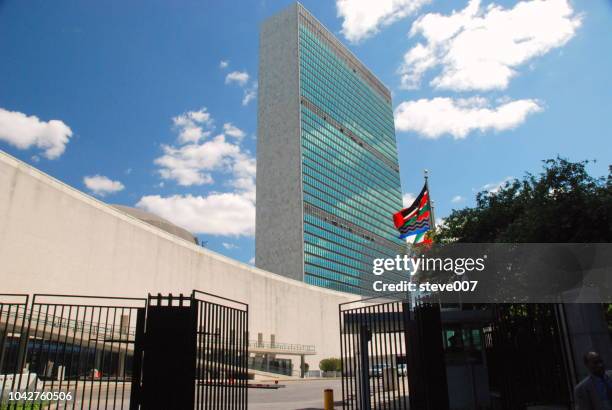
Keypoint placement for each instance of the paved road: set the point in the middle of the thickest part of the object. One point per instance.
(297, 395)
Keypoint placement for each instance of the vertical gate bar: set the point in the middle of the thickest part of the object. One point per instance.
(373, 354)
(222, 311)
(85, 360)
(103, 353)
(342, 375)
(238, 350)
(226, 398)
(237, 386)
(385, 348)
(205, 359)
(224, 389)
(233, 356)
(22, 356)
(198, 378)
(69, 344)
(69, 361)
(367, 353)
(398, 354)
(56, 358)
(207, 355)
(389, 352)
(216, 372)
(402, 346)
(346, 382)
(381, 309)
(120, 368)
(4, 337)
(355, 326)
(89, 337)
(246, 357)
(125, 359)
(210, 337)
(219, 360)
(225, 357)
(377, 351)
(135, 391)
(212, 365)
(96, 344)
(244, 363)
(78, 357)
(566, 348)
(110, 362)
(357, 351)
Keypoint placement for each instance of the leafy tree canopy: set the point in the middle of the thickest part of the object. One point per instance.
(330, 365)
(561, 204)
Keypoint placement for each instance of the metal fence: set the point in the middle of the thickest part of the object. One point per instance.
(373, 352)
(392, 355)
(90, 352)
(71, 352)
(527, 356)
(222, 352)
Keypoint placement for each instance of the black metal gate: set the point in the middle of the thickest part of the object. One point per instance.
(392, 358)
(527, 356)
(373, 343)
(90, 352)
(70, 352)
(222, 352)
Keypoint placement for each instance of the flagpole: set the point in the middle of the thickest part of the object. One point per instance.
(432, 220)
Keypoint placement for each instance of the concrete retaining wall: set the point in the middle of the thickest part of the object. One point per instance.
(55, 239)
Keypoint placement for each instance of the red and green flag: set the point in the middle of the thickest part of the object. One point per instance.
(416, 219)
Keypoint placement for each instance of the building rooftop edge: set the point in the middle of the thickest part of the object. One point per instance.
(348, 50)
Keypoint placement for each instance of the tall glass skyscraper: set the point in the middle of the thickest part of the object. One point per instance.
(327, 171)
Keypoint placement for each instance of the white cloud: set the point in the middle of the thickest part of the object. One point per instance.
(364, 18)
(223, 64)
(224, 214)
(408, 198)
(23, 132)
(457, 199)
(191, 164)
(249, 94)
(238, 77)
(101, 185)
(191, 125)
(494, 187)
(233, 131)
(436, 117)
(482, 48)
(228, 245)
(252, 261)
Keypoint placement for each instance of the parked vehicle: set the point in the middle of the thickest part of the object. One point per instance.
(377, 370)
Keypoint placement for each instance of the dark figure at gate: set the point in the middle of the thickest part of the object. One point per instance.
(595, 391)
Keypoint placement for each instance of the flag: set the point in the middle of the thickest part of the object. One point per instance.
(416, 219)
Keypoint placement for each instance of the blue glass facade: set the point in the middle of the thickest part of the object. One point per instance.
(349, 167)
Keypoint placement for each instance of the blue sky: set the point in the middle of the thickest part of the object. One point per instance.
(129, 101)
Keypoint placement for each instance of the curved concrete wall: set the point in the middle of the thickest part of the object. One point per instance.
(55, 239)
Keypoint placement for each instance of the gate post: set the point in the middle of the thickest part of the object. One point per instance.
(135, 392)
(363, 383)
(169, 367)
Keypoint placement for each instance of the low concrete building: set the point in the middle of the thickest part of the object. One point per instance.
(56, 239)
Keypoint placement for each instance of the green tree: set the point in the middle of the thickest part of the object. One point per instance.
(561, 204)
(331, 364)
